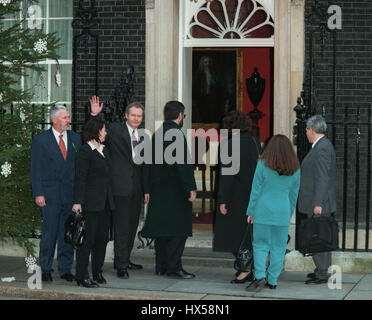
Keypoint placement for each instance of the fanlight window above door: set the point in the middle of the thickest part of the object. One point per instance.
(231, 19)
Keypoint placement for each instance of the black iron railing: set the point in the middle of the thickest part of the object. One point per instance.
(350, 134)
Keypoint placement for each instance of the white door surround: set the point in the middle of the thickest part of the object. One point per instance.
(169, 52)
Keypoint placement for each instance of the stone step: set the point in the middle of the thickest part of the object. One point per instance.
(199, 252)
(202, 257)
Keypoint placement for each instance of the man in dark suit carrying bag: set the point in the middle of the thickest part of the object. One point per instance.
(128, 183)
(317, 195)
(52, 177)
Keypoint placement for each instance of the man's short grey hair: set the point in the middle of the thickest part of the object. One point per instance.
(135, 104)
(54, 110)
(317, 123)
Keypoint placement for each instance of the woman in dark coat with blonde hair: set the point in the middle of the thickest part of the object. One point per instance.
(234, 190)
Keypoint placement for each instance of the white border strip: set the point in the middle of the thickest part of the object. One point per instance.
(253, 42)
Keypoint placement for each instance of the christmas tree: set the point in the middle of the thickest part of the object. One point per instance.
(22, 47)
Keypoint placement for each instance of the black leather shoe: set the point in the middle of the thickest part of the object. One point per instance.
(123, 273)
(68, 276)
(87, 283)
(270, 286)
(248, 277)
(46, 277)
(311, 275)
(316, 281)
(99, 278)
(256, 284)
(133, 266)
(182, 274)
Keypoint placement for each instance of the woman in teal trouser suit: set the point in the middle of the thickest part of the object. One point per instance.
(272, 202)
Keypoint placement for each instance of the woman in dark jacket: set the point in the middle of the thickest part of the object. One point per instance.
(93, 197)
(234, 190)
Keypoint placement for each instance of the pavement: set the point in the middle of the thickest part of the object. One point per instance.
(212, 282)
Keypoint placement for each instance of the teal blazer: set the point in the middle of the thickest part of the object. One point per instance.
(273, 196)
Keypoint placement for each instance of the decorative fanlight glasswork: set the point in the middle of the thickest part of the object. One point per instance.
(231, 19)
(197, 0)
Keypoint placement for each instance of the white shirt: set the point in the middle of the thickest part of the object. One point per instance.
(130, 129)
(314, 143)
(57, 134)
(100, 149)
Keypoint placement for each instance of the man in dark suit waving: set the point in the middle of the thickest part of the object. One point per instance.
(317, 194)
(128, 183)
(52, 177)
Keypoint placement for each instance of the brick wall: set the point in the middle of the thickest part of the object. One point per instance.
(353, 97)
(120, 27)
(121, 31)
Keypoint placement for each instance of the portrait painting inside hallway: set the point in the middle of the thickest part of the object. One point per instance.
(214, 84)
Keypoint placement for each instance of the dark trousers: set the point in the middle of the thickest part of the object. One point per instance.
(53, 230)
(168, 253)
(97, 233)
(125, 224)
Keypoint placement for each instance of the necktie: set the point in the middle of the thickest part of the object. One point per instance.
(134, 140)
(62, 146)
(134, 144)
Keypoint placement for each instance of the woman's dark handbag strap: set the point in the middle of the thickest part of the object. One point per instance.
(247, 238)
(244, 257)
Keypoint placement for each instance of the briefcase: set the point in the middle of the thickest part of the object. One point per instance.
(318, 234)
(75, 230)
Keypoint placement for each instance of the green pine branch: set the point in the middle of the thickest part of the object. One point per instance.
(19, 216)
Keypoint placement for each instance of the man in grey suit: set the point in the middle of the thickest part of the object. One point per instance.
(317, 194)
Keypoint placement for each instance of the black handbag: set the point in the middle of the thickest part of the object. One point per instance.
(318, 234)
(75, 230)
(244, 258)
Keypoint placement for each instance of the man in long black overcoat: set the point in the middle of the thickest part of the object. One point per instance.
(172, 190)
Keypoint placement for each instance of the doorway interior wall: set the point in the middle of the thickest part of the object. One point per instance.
(248, 25)
(262, 60)
(222, 24)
